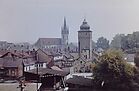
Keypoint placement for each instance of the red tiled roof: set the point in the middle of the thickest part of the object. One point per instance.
(8, 62)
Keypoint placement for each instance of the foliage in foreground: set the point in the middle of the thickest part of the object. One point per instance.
(113, 72)
(136, 59)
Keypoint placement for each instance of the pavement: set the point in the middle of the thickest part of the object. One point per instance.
(15, 86)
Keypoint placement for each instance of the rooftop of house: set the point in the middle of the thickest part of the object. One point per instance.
(43, 56)
(14, 59)
(52, 71)
(79, 80)
(10, 63)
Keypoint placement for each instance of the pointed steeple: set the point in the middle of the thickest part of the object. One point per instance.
(64, 34)
(65, 23)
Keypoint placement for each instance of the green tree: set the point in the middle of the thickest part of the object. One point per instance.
(127, 42)
(112, 72)
(102, 43)
(117, 41)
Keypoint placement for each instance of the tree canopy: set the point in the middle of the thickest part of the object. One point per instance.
(113, 72)
(102, 43)
(126, 42)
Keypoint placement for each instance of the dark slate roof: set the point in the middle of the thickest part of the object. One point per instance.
(28, 61)
(49, 41)
(84, 25)
(79, 80)
(43, 71)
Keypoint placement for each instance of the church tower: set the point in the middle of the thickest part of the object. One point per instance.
(65, 34)
(85, 41)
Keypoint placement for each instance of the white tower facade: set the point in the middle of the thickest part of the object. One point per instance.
(65, 35)
(85, 41)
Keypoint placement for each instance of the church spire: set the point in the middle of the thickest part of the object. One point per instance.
(65, 23)
(64, 34)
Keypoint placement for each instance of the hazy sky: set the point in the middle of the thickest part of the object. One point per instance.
(28, 20)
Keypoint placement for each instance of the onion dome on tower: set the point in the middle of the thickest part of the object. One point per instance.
(84, 25)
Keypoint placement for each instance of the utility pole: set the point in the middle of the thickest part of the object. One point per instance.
(36, 58)
(21, 84)
(37, 75)
(22, 79)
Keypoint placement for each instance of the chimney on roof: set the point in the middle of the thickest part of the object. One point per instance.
(15, 51)
(22, 51)
(34, 53)
(28, 52)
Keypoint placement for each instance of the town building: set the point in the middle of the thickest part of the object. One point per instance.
(64, 60)
(14, 64)
(12, 47)
(85, 41)
(55, 44)
(11, 66)
(65, 35)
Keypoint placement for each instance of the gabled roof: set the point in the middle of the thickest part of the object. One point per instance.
(15, 54)
(44, 71)
(14, 59)
(11, 59)
(8, 62)
(2, 52)
(43, 56)
(49, 41)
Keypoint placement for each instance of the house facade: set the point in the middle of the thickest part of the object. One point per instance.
(11, 66)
